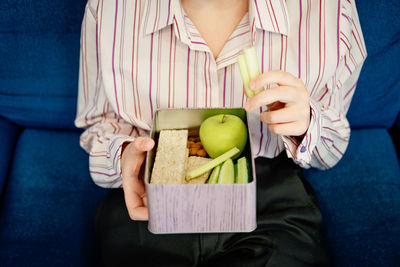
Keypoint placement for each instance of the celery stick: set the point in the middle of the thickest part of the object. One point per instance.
(211, 164)
(214, 175)
(252, 64)
(242, 176)
(252, 61)
(227, 173)
(241, 59)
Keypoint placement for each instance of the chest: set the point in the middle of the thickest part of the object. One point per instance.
(215, 22)
(215, 30)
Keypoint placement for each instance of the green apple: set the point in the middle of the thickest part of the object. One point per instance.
(220, 133)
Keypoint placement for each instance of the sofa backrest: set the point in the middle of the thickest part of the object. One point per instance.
(376, 101)
(39, 61)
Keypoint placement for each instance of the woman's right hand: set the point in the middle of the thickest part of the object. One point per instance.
(132, 158)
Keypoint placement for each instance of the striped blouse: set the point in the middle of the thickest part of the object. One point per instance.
(138, 56)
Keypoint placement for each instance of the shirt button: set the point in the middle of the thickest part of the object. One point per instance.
(303, 149)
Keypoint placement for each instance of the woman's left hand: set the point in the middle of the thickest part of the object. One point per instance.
(288, 104)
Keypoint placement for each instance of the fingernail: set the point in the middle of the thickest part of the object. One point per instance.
(252, 85)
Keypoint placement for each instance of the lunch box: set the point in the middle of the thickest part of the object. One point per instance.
(199, 208)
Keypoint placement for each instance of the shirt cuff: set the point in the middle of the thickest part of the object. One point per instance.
(301, 152)
(115, 149)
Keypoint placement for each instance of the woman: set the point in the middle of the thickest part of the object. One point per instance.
(137, 56)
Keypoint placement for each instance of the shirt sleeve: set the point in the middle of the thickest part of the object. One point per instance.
(328, 134)
(105, 132)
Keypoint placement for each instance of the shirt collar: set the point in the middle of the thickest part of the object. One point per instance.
(159, 14)
(268, 15)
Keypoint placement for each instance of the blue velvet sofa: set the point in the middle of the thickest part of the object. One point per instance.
(47, 198)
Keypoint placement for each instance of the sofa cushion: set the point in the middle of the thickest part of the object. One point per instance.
(47, 217)
(376, 101)
(39, 55)
(360, 201)
(8, 135)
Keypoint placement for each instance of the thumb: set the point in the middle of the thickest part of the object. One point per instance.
(143, 144)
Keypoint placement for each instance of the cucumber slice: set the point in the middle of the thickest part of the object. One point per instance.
(243, 171)
(227, 173)
(213, 179)
(211, 164)
(236, 171)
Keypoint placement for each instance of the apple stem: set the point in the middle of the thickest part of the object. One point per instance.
(223, 118)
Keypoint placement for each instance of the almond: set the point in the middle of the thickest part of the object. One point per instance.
(201, 153)
(193, 151)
